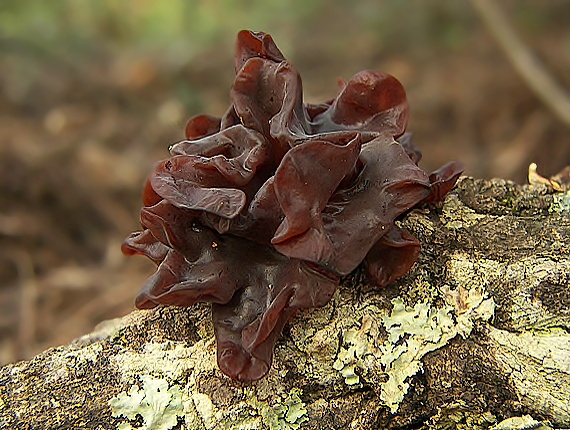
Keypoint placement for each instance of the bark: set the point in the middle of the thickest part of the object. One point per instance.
(475, 336)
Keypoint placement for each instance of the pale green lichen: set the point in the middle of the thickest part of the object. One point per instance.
(560, 203)
(286, 412)
(159, 405)
(415, 331)
(172, 361)
(525, 422)
(204, 408)
(292, 410)
(459, 415)
(412, 332)
(289, 414)
(358, 350)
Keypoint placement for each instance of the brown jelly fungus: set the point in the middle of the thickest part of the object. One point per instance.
(262, 211)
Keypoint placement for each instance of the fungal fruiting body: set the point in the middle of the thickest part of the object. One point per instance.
(262, 211)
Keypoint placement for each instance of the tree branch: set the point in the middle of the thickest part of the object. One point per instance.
(477, 334)
(553, 95)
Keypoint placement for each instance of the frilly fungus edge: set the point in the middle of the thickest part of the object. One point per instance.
(262, 211)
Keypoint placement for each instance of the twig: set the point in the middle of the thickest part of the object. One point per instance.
(525, 63)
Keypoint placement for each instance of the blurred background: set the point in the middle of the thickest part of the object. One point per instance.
(93, 92)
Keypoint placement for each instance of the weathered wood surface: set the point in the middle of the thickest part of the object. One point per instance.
(476, 336)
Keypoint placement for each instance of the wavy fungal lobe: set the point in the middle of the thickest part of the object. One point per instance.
(262, 211)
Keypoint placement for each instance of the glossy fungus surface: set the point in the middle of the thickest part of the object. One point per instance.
(262, 211)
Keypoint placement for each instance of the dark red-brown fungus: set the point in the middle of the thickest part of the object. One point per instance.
(262, 211)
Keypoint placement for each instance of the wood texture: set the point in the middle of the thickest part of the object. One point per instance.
(475, 336)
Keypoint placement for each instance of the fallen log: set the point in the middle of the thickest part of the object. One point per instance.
(475, 336)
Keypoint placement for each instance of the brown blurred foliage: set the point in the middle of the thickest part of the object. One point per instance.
(92, 95)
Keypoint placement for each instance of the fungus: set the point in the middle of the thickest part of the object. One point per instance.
(261, 212)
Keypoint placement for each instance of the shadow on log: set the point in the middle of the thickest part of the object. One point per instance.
(475, 336)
